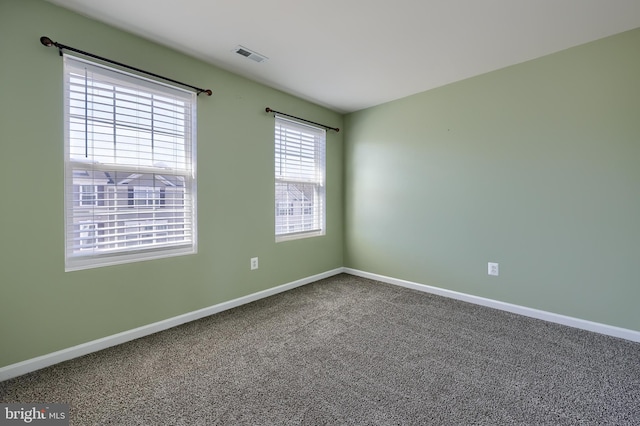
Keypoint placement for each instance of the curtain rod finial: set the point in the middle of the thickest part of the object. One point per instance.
(46, 41)
(267, 109)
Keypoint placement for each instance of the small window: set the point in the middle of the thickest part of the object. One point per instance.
(129, 175)
(300, 180)
(145, 196)
(88, 195)
(87, 236)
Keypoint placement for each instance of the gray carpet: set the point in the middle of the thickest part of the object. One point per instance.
(347, 350)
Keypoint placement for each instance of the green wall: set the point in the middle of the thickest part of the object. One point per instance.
(44, 309)
(535, 166)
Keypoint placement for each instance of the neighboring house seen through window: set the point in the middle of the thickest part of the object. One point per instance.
(300, 180)
(129, 167)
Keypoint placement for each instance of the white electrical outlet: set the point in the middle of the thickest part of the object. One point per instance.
(493, 269)
(254, 263)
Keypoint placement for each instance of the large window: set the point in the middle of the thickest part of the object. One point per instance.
(129, 167)
(300, 180)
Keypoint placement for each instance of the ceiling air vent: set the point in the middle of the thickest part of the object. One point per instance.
(255, 56)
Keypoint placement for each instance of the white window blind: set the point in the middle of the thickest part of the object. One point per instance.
(300, 180)
(129, 167)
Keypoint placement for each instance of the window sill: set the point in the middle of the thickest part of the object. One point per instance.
(299, 236)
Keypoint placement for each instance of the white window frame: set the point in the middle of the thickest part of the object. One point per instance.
(98, 233)
(300, 169)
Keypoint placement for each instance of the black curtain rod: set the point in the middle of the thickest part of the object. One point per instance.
(48, 42)
(267, 109)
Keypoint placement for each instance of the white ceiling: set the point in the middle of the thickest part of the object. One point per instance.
(352, 54)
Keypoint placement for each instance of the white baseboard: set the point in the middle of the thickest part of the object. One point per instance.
(47, 360)
(596, 327)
